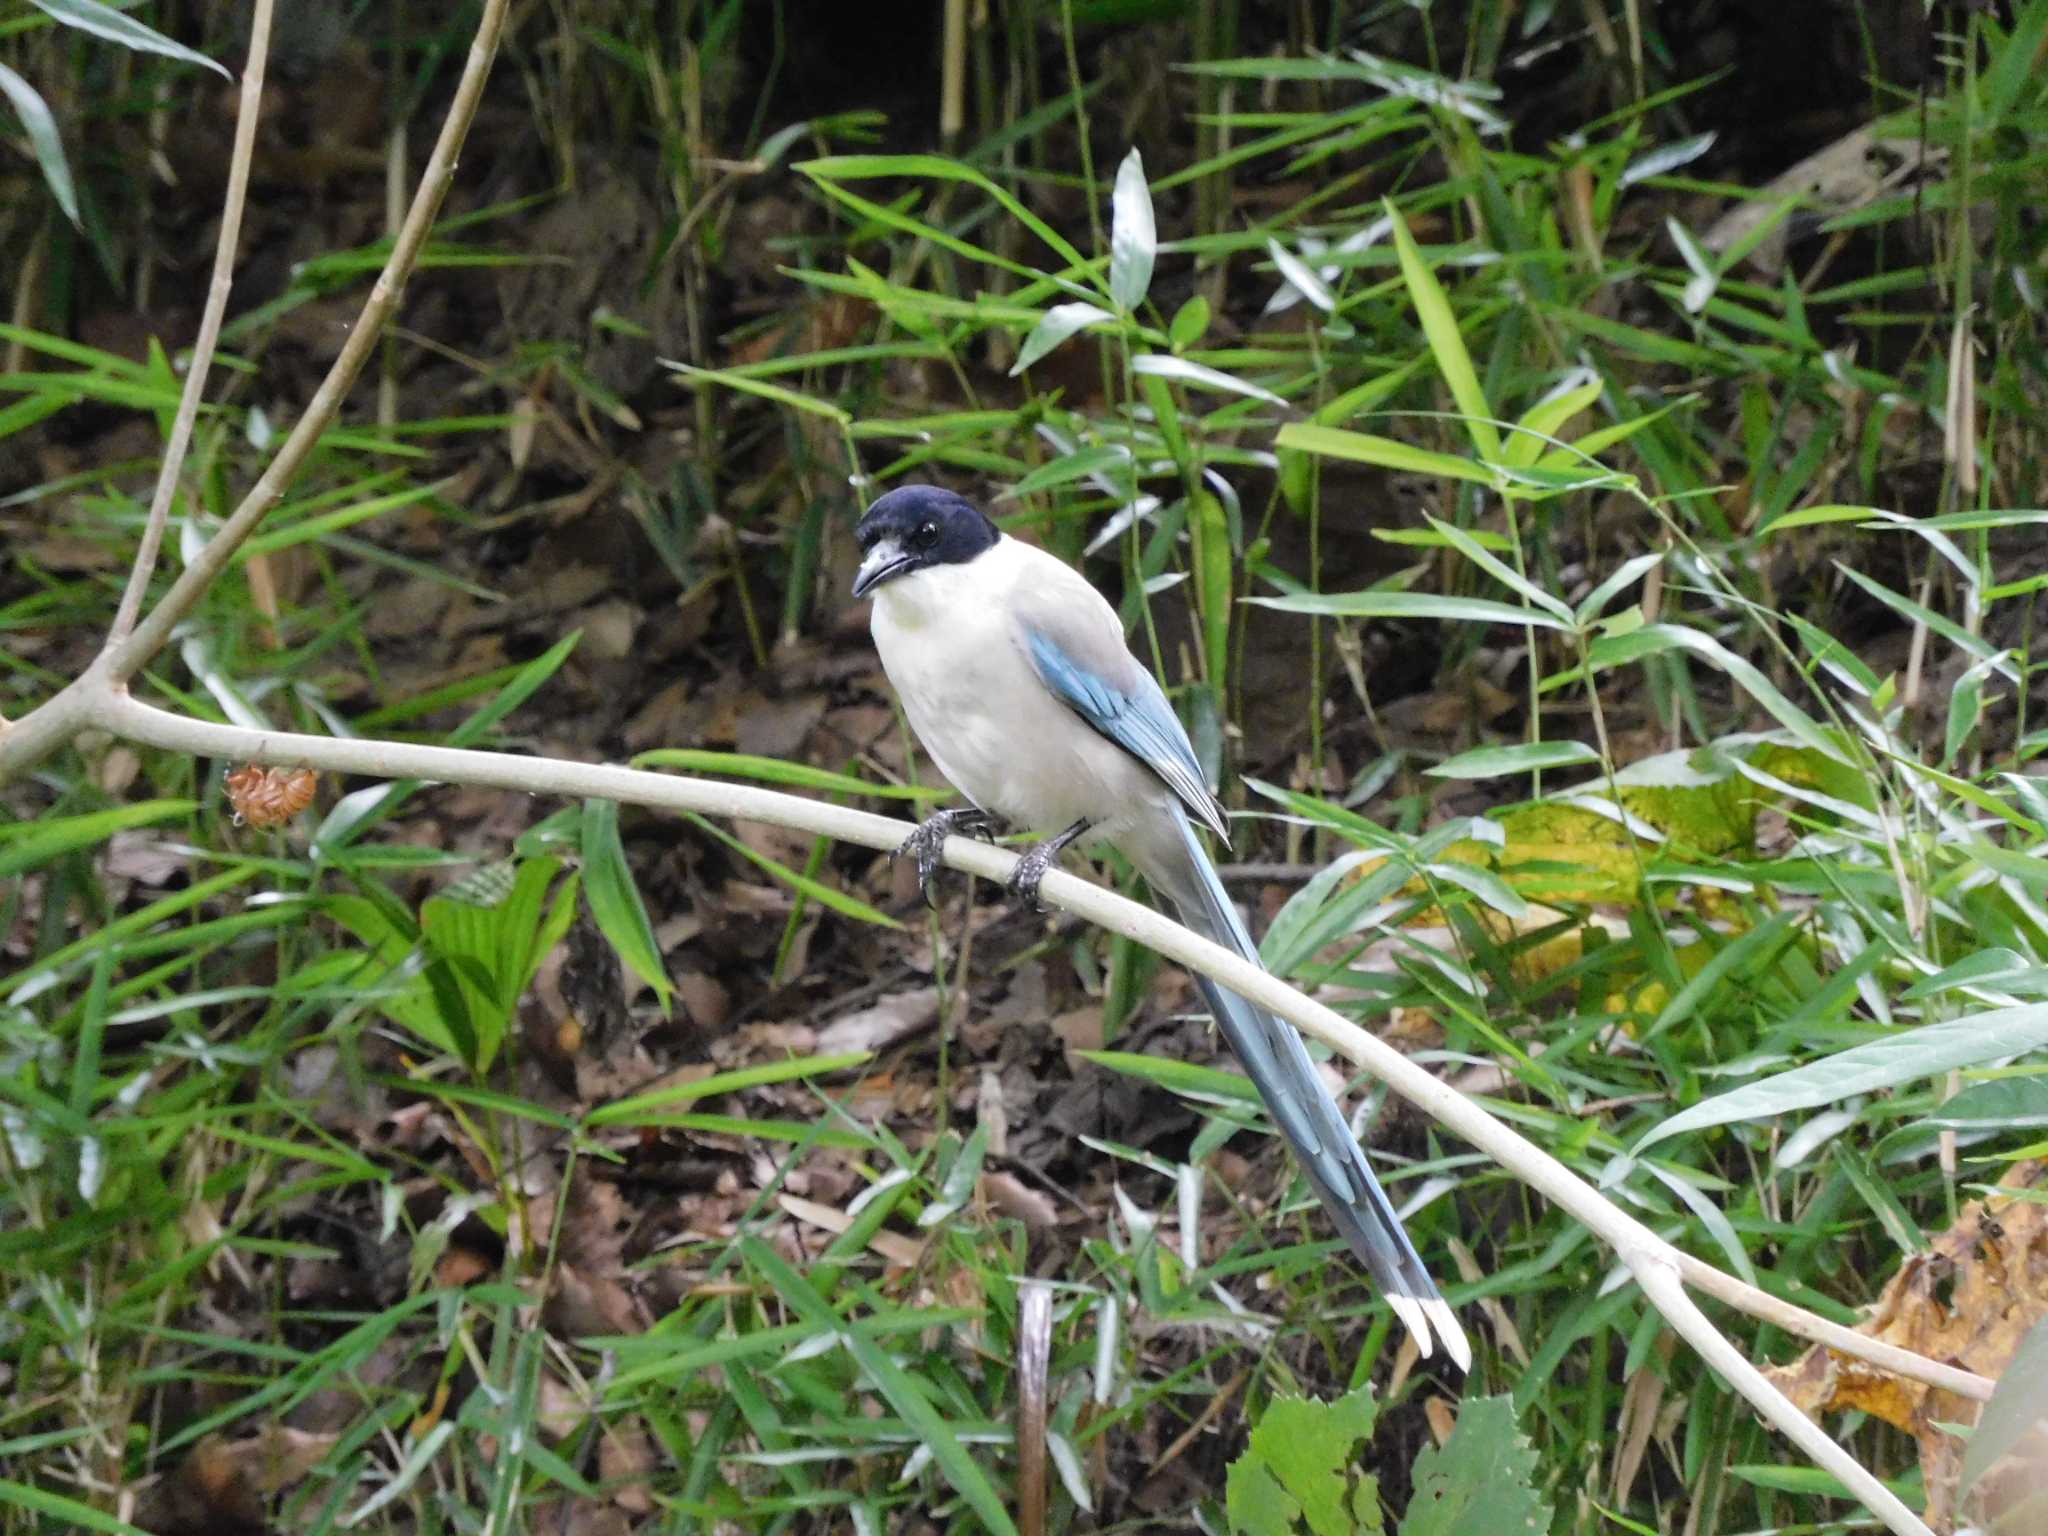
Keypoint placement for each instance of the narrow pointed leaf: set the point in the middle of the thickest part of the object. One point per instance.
(1440, 325)
(1133, 237)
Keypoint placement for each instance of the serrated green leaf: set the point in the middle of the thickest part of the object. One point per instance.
(1481, 1482)
(1299, 1465)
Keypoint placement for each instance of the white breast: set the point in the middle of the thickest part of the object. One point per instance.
(947, 642)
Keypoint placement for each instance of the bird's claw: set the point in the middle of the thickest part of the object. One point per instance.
(928, 843)
(1029, 874)
(1031, 868)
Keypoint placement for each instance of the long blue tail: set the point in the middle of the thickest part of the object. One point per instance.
(1281, 1069)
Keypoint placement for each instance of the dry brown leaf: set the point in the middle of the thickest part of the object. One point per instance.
(1013, 1197)
(221, 1485)
(1968, 1301)
(893, 1017)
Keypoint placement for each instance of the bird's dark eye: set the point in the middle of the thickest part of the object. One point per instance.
(926, 536)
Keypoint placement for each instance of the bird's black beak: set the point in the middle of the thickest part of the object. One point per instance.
(884, 562)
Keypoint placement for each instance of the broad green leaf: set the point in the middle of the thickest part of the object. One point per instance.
(1299, 1466)
(614, 897)
(43, 138)
(2004, 1104)
(1446, 343)
(1060, 322)
(1910, 1056)
(1527, 757)
(1480, 1482)
(1408, 605)
(106, 22)
(1365, 448)
(1189, 323)
(1133, 236)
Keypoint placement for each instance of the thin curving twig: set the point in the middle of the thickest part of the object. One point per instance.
(244, 154)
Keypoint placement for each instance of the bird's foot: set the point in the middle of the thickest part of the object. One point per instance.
(928, 842)
(1031, 868)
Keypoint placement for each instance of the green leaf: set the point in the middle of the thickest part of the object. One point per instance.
(817, 890)
(1163, 365)
(1176, 1075)
(1069, 467)
(79, 1516)
(898, 1387)
(1440, 325)
(746, 385)
(43, 138)
(614, 897)
(1408, 605)
(1498, 569)
(1302, 277)
(1542, 422)
(634, 1110)
(1299, 1466)
(1909, 1056)
(1189, 323)
(1060, 322)
(490, 934)
(864, 167)
(1651, 639)
(773, 770)
(1365, 448)
(1133, 236)
(1527, 757)
(26, 845)
(106, 22)
(1481, 1482)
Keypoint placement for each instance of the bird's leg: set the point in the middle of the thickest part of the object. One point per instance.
(1024, 879)
(928, 842)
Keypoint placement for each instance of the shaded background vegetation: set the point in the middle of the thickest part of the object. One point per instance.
(650, 186)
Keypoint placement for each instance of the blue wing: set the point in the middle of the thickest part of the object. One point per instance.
(1132, 712)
